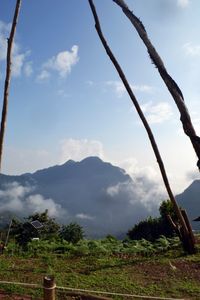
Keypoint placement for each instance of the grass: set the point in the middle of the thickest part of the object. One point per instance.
(168, 274)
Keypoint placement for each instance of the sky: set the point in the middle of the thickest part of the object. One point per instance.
(66, 99)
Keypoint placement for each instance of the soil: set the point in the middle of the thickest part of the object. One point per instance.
(151, 270)
(6, 296)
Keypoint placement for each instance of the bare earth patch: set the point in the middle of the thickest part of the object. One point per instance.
(6, 296)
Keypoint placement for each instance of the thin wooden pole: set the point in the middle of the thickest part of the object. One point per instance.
(172, 86)
(49, 288)
(185, 216)
(143, 119)
(7, 79)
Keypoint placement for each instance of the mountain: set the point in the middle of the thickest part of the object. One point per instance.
(190, 200)
(96, 194)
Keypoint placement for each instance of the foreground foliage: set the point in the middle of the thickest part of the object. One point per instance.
(108, 265)
(107, 246)
(151, 228)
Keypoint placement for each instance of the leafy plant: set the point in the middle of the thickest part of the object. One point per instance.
(152, 228)
(72, 233)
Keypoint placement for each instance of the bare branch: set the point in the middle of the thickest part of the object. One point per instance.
(169, 81)
(142, 117)
(8, 76)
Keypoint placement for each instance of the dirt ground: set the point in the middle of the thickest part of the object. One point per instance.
(5, 296)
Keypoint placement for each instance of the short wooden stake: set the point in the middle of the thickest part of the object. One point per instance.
(49, 288)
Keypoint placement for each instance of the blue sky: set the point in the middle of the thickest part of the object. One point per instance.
(67, 102)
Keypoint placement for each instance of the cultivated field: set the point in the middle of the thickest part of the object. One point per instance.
(159, 271)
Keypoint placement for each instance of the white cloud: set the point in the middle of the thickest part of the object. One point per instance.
(131, 166)
(90, 82)
(183, 3)
(147, 187)
(119, 88)
(193, 175)
(23, 160)
(83, 216)
(18, 198)
(11, 197)
(18, 61)
(145, 192)
(78, 149)
(157, 113)
(18, 58)
(142, 194)
(63, 94)
(44, 75)
(191, 50)
(4, 32)
(61, 63)
(37, 203)
(28, 69)
(14, 190)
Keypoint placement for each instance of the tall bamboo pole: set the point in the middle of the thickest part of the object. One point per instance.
(190, 246)
(8, 76)
(168, 80)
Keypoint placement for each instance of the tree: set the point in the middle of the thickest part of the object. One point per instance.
(152, 228)
(166, 208)
(50, 227)
(149, 229)
(24, 232)
(72, 233)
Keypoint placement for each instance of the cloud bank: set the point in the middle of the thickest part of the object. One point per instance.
(100, 197)
(21, 199)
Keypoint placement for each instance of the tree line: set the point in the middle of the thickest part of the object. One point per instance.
(150, 229)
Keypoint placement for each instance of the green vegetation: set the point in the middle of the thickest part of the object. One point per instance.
(152, 228)
(156, 268)
(108, 265)
(24, 232)
(72, 233)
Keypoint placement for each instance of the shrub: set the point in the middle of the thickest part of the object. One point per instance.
(72, 233)
(152, 228)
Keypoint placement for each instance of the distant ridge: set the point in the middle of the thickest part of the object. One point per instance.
(101, 197)
(190, 200)
(78, 190)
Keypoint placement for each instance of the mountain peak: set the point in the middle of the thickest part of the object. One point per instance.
(69, 162)
(74, 192)
(91, 159)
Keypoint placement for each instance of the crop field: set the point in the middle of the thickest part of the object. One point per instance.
(160, 269)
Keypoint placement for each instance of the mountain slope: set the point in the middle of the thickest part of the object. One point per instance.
(190, 200)
(95, 194)
(99, 196)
